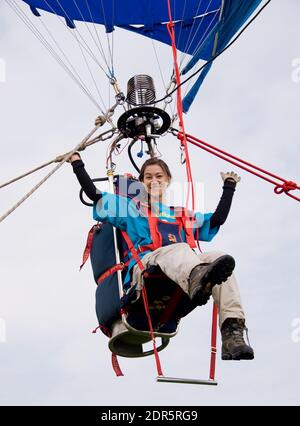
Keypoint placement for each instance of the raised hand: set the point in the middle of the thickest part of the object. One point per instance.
(231, 176)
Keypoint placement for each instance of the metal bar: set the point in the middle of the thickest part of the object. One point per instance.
(110, 176)
(187, 381)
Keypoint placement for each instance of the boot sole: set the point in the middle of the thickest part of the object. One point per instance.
(239, 356)
(218, 272)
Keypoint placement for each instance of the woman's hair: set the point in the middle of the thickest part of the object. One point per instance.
(152, 162)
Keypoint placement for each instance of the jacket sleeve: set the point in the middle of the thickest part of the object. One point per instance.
(221, 213)
(207, 225)
(203, 230)
(85, 181)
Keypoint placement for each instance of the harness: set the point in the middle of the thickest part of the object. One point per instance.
(162, 233)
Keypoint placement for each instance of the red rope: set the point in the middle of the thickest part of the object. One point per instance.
(146, 305)
(280, 187)
(184, 140)
(212, 369)
(170, 28)
(145, 300)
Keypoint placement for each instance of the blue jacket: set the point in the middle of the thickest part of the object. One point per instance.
(127, 215)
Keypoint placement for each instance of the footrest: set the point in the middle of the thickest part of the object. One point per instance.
(166, 379)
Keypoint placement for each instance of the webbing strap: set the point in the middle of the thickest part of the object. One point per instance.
(155, 235)
(213, 354)
(115, 364)
(110, 271)
(114, 360)
(187, 221)
(88, 246)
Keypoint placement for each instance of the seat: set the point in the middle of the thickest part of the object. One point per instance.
(128, 341)
(128, 332)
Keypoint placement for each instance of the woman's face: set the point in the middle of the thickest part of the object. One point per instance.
(155, 181)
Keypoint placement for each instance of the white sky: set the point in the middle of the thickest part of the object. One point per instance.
(249, 105)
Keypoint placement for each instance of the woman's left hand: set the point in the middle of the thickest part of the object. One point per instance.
(231, 176)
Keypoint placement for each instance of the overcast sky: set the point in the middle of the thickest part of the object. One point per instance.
(249, 105)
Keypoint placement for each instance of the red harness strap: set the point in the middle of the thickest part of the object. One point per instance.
(110, 271)
(156, 236)
(213, 354)
(116, 365)
(114, 360)
(184, 219)
(187, 219)
(89, 242)
(145, 300)
(148, 247)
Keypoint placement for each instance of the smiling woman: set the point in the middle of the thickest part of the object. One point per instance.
(156, 176)
(161, 236)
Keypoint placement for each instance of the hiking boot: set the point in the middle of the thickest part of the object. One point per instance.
(234, 346)
(206, 275)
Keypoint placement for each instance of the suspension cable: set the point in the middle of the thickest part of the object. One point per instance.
(170, 27)
(99, 47)
(32, 27)
(84, 44)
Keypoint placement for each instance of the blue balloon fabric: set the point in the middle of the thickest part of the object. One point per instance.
(202, 28)
(149, 18)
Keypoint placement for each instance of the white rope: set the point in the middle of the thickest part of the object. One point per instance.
(22, 15)
(200, 43)
(188, 40)
(112, 38)
(181, 25)
(172, 107)
(102, 137)
(107, 36)
(69, 62)
(26, 174)
(85, 46)
(205, 34)
(55, 169)
(99, 47)
(89, 70)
